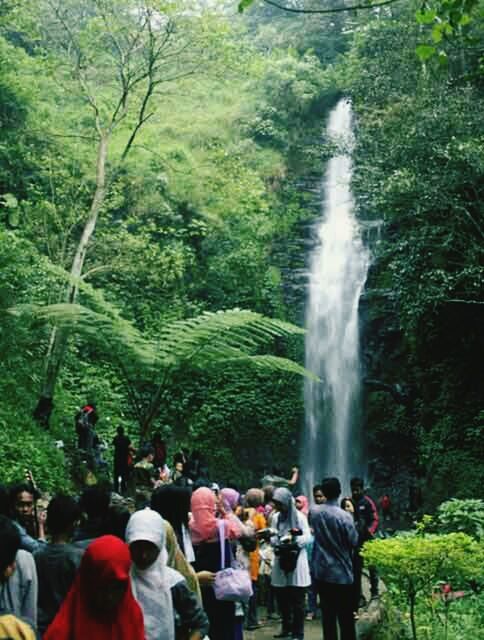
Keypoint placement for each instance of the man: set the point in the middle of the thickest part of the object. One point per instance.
(18, 578)
(94, 503)
(122, 445)
(145, 476)
(335, 538)
(366, 519)
(57, 562)
(30, 527)
(318, 495)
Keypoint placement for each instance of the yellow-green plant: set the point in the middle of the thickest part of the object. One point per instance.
(415, 563)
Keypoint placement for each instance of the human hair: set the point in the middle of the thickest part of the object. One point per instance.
(9, 543)
(268, 493)
(173, 504)
(317, 487)
(116, 521)
(145, 451)
(356, 483)
(62, 514)
(95, 501)
(4, 501)
(120, 431)
(344, 500)
(331, 488)
(20, 487)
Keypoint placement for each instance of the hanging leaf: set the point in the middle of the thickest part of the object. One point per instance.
(425, 51)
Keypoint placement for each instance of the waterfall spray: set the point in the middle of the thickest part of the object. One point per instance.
(338, 268)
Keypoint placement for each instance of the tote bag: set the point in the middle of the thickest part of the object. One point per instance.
(233, 585)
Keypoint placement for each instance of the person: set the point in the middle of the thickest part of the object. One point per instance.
(18, 578)
(277, 480)
(254, 499)
(122, 445)
(178, 477)
(302, 505)
(290, 583)
(11, 628)
(366, 519)
(30, 524)
(94, 503)
(335, 537)
(318, 495)
(347, 505)
(204, 529)
(145, 476)
(57, 562)
(159, 450)
(160, 590)
(173, 505)
(85, 421)
(386, 506)
(100, 604)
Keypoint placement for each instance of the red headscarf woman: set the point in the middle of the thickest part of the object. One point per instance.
(100, 604)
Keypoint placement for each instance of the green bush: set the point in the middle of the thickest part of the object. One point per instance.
(413, 566)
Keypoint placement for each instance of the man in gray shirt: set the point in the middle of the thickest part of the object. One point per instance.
(335, 538)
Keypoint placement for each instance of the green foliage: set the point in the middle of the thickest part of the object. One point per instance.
(462, 515)
(414, 565)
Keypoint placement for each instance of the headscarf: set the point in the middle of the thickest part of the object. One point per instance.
(11, 628)
(203, 524)
(107, 559)
(151, 586)
(230, 499)
(254, 498)
(305, 504)
(288, 519)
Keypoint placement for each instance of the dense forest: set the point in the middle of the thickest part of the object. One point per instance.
(158, 165)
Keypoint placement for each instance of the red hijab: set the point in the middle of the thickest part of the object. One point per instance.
(106, 560)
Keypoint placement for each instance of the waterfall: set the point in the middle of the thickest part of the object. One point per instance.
(337, 272)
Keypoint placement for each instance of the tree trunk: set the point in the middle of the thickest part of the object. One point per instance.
(59, 336)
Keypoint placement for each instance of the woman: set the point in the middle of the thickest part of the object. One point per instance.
(302, 505)
(290, 585)
(160, 590)
(100, 604)
(254, 499)
(204, 528)
(173, 504)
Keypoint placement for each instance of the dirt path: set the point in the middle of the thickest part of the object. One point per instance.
(312, 629)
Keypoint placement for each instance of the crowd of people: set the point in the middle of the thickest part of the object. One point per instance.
(106, 566)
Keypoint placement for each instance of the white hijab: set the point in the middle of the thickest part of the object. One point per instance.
(151, 587)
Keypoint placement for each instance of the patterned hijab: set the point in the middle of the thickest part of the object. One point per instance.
(151, 586)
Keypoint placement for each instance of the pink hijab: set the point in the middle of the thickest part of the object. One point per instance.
(203, 524)
(230, 499)
(305, 504)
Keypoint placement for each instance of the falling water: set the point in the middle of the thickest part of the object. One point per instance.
(338, 267)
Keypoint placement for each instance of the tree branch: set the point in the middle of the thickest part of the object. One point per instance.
(334, 10)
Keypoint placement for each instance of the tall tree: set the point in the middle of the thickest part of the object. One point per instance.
(115, 58)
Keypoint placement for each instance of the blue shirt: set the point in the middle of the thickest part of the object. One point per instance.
(335, 537)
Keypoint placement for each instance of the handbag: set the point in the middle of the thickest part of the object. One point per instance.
(231, 584)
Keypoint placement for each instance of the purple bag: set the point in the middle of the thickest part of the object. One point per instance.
(233, 585)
